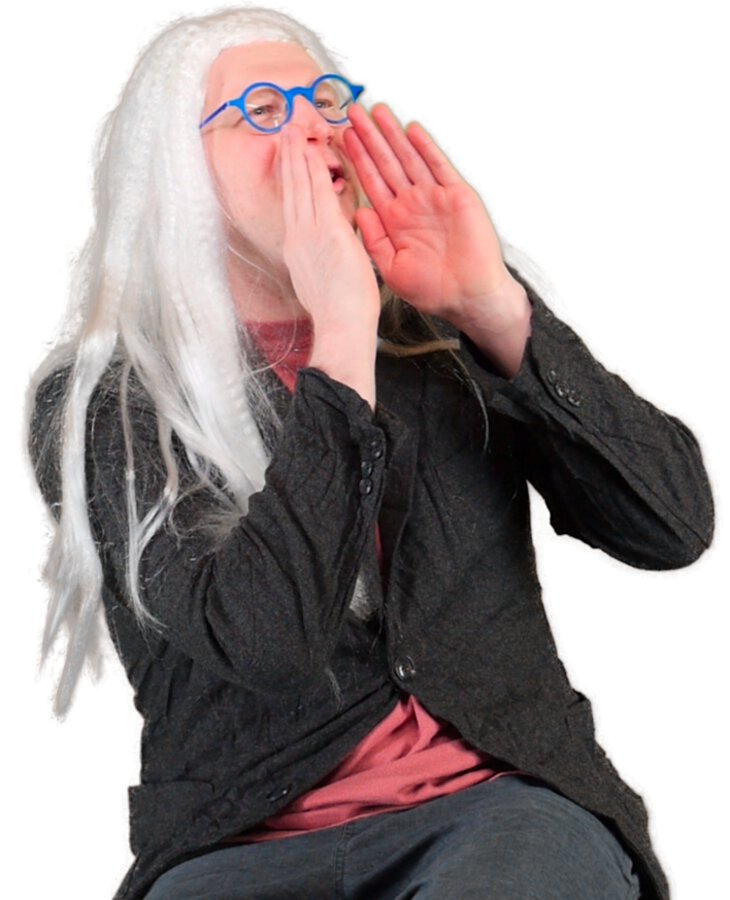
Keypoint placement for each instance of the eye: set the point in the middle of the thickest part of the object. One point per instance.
(265, 106)
(332, 99)
(261, 111)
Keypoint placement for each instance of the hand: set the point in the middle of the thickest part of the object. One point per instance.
(330, 271)
(428, 232)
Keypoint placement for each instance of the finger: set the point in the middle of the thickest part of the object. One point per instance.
(434, 157)
(375, 238)
(287, 183)
(296, 190)
(410, 159)
(380, 151)
(371, 180)
(324, 199)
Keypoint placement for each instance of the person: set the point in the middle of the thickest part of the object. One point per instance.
(286, 443)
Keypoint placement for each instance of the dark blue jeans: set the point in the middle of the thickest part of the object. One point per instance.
(508, 839)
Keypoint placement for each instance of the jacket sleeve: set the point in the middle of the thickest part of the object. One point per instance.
(262, 607)
(615, 471)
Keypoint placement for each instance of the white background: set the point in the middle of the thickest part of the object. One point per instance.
(596, 134)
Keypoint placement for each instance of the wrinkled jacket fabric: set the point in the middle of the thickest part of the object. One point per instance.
(263, 678)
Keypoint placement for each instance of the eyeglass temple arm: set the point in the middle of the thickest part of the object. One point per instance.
(213, 115)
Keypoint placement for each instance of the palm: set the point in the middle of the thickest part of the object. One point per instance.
(436, 242)
(428, 231)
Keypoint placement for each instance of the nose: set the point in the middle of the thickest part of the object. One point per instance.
(315, 127)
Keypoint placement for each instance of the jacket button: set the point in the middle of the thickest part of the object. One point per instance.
(561, 390)
(574, 398)
(366, 486)
(405, 668)
(278, 793)
(376, 448)
(366, 468)
(552, 376)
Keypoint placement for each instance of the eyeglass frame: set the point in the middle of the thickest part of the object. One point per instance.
(289, 95)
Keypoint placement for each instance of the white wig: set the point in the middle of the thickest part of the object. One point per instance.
(150, 288)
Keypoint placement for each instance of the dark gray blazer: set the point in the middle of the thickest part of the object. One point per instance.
(264, 678)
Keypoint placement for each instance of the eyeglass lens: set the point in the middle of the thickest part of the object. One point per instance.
(268, 109)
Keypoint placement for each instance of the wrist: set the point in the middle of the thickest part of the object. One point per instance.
(497, 313)
(500, 327)
(347, 355)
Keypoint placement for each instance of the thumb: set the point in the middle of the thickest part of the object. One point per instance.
(374, 237)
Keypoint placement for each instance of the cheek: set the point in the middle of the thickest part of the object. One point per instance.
(241, 169)
(258, 156)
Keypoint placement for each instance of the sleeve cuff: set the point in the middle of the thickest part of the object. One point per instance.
(559, 379)
(348, 417)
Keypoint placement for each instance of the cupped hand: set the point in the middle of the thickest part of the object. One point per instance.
(329, 268)
(428, 231)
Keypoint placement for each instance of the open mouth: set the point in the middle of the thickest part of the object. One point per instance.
(337, 174)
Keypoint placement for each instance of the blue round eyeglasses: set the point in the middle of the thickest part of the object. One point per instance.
(268, 107)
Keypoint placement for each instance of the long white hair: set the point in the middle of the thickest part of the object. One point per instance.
(150, 289)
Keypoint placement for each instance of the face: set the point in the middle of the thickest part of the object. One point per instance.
(244, 164)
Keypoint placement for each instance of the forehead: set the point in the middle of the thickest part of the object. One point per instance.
(282, 62)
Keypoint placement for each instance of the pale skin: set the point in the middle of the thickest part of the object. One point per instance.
(427, 232)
